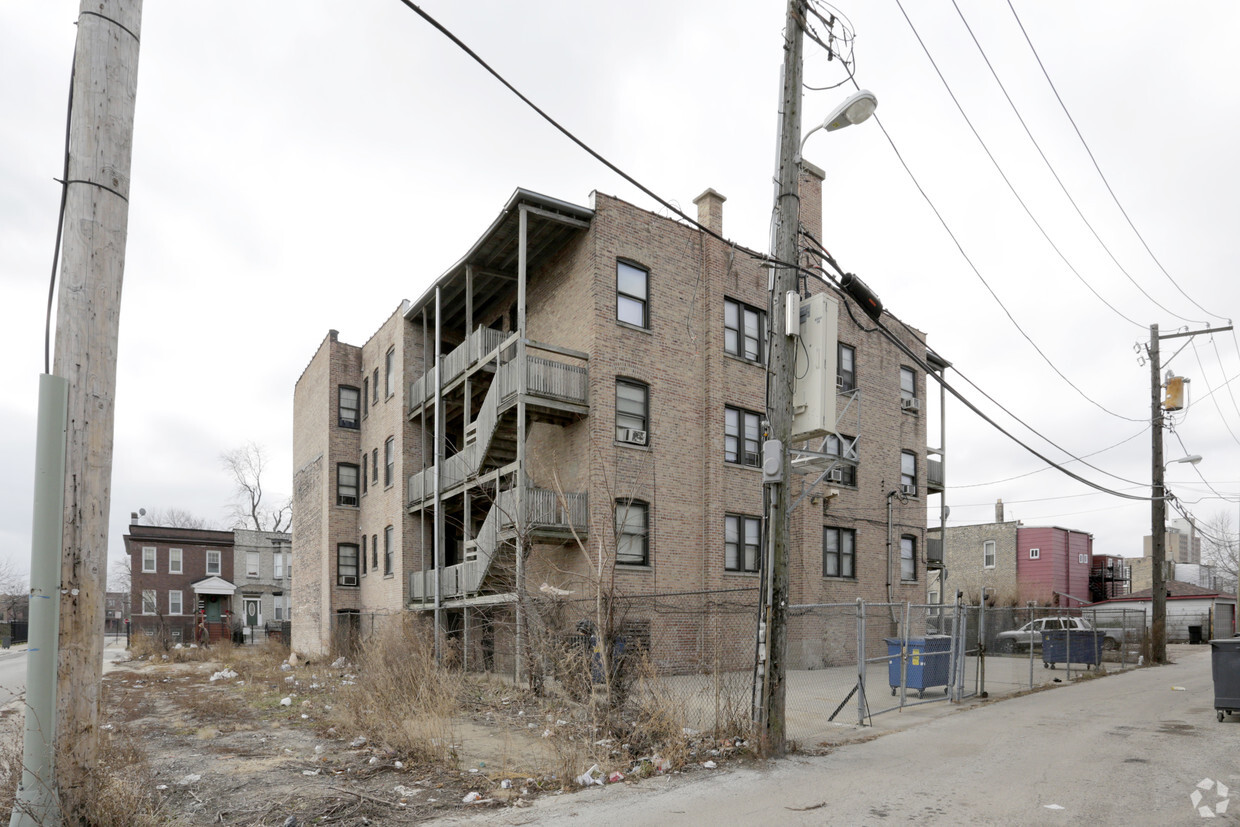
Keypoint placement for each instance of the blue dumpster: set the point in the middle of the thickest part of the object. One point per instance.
(928, 660)
(1071, 646)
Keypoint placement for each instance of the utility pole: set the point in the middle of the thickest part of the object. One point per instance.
(780, 378)
(1158, 495)
(105, 74)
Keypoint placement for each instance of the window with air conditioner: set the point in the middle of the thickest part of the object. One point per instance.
(908, 390)
(632, 411)
(742, 437)
(845, 448)
(908, 473)
(346, 564)
(346, 484)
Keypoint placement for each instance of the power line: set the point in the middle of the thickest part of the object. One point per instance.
(1094, 160)
(1011, 187)
(1055, 174)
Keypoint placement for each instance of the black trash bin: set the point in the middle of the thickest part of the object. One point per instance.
(1225, 664)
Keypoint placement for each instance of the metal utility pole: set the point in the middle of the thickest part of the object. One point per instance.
(1158, 493)
(780, 377)
(96, 217)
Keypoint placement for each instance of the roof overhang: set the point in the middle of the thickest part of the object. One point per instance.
(493, 258)
(213, 585)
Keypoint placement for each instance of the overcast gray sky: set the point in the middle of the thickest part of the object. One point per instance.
(301, 166)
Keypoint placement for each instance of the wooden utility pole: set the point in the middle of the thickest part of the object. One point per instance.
(105, 75)
(1158, 494)
(781, 378)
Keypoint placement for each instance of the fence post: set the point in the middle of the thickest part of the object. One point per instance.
(860, 662)
(904, 656)
(981, 647)
(1031, 634)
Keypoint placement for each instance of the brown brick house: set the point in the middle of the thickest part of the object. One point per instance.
(592, 376)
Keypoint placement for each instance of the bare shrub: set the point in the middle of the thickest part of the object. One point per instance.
(401, 697)
(10, 761)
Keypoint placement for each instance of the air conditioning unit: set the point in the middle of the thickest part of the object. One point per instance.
(835, 475)
(632, 436)
(839, 383)
(348, 580)
(911, 490)
(348, 500)
(910, 403)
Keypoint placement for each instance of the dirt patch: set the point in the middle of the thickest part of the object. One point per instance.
(243, 741)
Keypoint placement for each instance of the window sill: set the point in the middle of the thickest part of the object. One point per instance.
(737, 465)
(632, 445)
(343, 586)
(744, 360)
(635, 567)
(636, 328)
(739, 573)
(839, 579)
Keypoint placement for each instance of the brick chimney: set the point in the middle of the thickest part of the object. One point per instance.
(710, 210)
(810, 184)
(998, 511)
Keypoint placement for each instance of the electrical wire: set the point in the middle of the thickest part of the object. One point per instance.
(1055, 175)
(1011, 187)
(1098, 168)
(60, 224)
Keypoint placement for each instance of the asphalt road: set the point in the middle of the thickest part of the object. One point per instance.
(13, 668)
(1127, 749)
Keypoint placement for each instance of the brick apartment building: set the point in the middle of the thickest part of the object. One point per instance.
(232, 578)
(590, 378)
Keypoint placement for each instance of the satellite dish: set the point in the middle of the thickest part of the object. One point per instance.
(141, 512)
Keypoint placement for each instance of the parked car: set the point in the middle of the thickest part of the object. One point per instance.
(1031, 633)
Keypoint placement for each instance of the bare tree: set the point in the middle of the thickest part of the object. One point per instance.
(14, 591)
(246, 465)
(120, 578)
(1221, 548)
(176, 518)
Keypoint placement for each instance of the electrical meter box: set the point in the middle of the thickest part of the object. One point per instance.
(814, 366)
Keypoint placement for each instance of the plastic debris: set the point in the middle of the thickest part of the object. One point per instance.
(710, 765)
(1052, 806)
(591, 776)
(406, 792)
(311, 772)
(223, 675)
(506, 784)
(1178, 689)
(339, 663)
(359, 741)
(471, 798)
(286, 701)
(186, 780)
(615, 778)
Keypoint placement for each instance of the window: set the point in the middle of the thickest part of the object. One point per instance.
(175, 604)
(632, 412)
(839, 552)
(908, 473)
(744, 330)
(346, 484)
(148, 602)
(1082, 558)
(742, 540)
(374, 552)
(148, 558)
(374, 387)
(741, 437)
(213, 562)
(277, 605)
(844, 447)
(174, 561)
(363, 554)
(389, 461)
(374, 464)
(389, 372)
(632, 533)
(1035, 553)
(908, 557)
(365, 396)
(846, 372)
(387, 550)
(908, 384)
(348, 407)
(346, 564)
(632, 294)
(988, 554)
(251, 564)
(278, 566)
(365, 458)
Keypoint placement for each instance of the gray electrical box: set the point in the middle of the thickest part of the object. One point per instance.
(813, 398)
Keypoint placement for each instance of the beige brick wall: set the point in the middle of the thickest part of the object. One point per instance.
(963, 556)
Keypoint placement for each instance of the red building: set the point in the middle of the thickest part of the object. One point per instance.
(1053, 565)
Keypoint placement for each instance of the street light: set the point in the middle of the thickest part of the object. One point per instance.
(1191, 459)
(857, 108)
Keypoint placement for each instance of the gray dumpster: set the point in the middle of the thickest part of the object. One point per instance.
(1225, 663)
